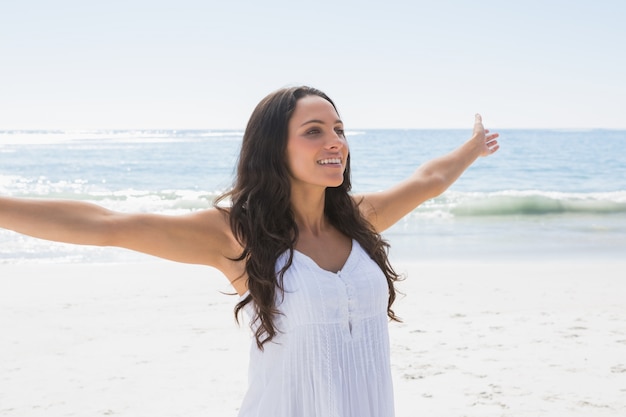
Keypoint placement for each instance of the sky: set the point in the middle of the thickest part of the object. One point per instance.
(205, 64)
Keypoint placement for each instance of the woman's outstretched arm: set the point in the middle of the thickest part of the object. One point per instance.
(202, 237)
(385, 208)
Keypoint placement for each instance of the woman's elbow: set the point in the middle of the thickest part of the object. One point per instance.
(110, 231)
(437, 185)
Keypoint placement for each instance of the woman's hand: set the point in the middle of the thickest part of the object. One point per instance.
(487, 141)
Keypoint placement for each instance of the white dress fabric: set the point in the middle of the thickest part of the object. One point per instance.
(331, 357)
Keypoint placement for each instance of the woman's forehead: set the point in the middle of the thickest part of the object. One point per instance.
(314, 108)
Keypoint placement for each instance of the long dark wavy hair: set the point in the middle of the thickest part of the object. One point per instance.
(262, 219)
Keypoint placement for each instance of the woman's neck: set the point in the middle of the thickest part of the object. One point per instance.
(308, 210)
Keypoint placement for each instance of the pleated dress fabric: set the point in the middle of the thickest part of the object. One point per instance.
(331, 357)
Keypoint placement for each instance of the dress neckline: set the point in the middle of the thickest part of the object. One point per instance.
(306, 258)
(346, 264)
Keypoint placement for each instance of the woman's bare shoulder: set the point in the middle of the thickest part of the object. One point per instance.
(364, 203)
(214, 224)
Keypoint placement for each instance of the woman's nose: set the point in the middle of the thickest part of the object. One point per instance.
(336, 141)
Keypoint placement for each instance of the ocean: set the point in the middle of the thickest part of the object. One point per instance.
(545, 195)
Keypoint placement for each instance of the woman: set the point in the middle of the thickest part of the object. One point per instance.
(304, 254)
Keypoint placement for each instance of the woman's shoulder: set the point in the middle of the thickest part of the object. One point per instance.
(220, 245)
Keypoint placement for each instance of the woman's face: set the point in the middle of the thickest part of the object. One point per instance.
(317, 150)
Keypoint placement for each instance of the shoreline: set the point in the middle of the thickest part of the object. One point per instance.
(478, 338)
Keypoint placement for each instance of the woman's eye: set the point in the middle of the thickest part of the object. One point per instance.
(313, 131)
(340, 132)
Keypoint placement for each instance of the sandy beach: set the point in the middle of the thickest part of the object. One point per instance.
(158, 339)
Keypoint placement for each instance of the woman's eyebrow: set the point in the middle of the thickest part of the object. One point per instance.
(338, 121)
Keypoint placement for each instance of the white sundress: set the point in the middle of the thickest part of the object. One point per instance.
(331, 357)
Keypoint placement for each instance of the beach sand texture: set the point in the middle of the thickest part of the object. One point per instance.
(158, 339)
